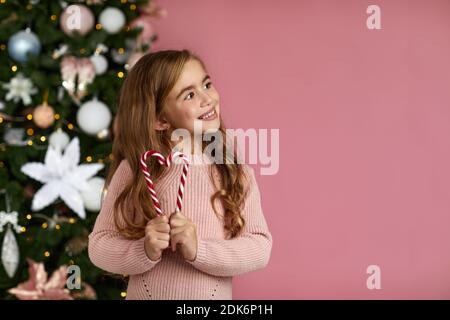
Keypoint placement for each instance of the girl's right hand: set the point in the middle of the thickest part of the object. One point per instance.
(157, 237)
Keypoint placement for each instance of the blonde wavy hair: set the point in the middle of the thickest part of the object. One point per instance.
(141, 101)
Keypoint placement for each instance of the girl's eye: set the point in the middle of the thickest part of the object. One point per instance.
(189, 95)
(208, 86)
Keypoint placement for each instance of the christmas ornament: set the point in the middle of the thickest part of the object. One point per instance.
(62, 50)
(59, 139)
(77, 74)
(15, 136)
(147, 32)
(62, 177)
(20, 88)
(149, 11)
(112, 20)
(100, 63)
(10, 248)
(2, 105)
(10, 253)
(92, 198)
(93, 116)
(76, 18)
(99, 60)
(164, 162)
(22, 43)
(60, 94)
(43, 115)
(38, 287)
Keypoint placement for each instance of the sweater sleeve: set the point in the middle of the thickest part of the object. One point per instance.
(108, 249)
(249, 251)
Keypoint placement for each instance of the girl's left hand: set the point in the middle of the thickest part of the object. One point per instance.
(184, 232)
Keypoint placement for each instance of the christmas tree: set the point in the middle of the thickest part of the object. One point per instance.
(62, 64)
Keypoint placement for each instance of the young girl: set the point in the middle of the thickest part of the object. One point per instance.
(220, 232)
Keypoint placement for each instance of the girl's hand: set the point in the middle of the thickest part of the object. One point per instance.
(157, 236)
(184, 232)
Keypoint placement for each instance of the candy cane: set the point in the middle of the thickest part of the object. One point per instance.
(166, 162)
(182, 179)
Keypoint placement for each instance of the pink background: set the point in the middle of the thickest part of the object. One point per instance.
(364, 121)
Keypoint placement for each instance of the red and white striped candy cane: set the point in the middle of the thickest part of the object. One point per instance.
(182, 178)
(165, 162)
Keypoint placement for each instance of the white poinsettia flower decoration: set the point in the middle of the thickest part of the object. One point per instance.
(20, 88)
(62, 176)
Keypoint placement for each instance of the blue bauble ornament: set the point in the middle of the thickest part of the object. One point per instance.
(21, 43)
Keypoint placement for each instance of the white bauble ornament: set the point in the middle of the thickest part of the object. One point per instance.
(100, 63)
(59, 139)
(112, 20)
(93, 116)
(92, 198)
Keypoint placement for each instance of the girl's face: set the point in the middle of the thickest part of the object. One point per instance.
(193, 98)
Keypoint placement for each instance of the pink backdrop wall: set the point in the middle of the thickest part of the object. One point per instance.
(364, 119)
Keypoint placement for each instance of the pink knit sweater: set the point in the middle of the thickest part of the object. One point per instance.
(218, 259)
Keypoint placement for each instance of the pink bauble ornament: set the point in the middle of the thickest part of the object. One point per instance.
(43, 116)
(77, 18)
(147, 28)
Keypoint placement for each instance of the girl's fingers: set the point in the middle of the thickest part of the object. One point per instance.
(160, 244)
(174, 241)
(164, 236)
(162, 227)
(177, 222)
(158, 220)
(174, 231)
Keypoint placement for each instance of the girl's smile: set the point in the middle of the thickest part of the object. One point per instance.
(209, 115)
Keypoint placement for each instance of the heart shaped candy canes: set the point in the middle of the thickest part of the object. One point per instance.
(164, 162)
